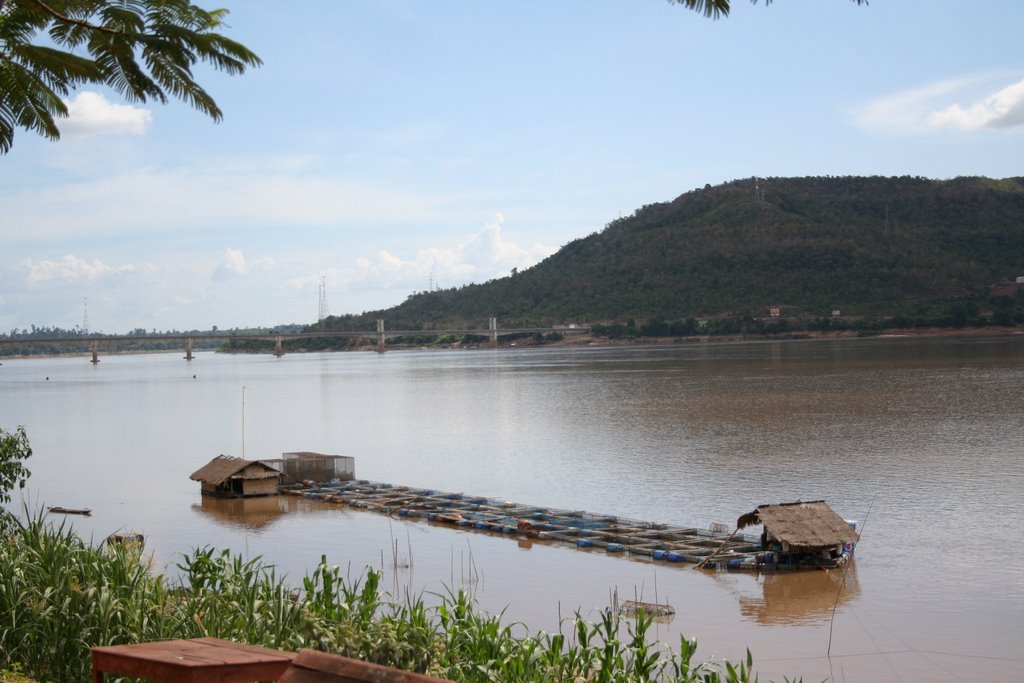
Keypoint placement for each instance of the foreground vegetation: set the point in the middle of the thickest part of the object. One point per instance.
(59, 596)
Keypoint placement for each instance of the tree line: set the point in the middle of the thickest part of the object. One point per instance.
(872, 248)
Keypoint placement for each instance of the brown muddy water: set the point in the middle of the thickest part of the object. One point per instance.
(920, 440)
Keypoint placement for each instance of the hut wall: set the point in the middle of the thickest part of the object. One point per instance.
(259, 487)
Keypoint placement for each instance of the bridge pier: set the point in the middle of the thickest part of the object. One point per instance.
(492, 325)
(380, 336)
(95, 352)
(278, 347)
(188, 349)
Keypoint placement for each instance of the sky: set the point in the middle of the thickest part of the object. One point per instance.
(388, 147)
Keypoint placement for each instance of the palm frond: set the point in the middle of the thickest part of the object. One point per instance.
(59, 69)
(173, 75)
(115, 56)
(6, 132)
(27, 101)
(712, 9)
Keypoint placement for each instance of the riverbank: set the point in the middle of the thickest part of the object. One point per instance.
(924, 332)
(67, 595)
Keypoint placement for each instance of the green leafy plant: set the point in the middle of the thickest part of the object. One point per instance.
(59, 596)
(14, 451)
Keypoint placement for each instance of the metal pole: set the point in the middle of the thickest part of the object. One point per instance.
(243, 421)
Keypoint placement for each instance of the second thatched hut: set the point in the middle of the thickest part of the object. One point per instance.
(803, 533)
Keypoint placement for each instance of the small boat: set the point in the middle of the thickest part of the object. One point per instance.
(58, 510)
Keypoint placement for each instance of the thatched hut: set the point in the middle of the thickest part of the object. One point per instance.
(233, 477)
(803, 533)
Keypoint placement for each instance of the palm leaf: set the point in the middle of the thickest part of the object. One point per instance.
(60, 69)
(712, 9)
(28, 102)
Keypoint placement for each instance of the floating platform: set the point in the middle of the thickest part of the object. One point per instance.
(662, 613)
(615, 535)
(58, 510)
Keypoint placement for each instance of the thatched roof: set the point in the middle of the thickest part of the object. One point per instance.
(224, 467)
(803, 525)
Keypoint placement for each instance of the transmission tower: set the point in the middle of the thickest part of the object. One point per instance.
(85, 316)
(323, 299)
(758, 190)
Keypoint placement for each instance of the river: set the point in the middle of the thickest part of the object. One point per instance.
(920, 440)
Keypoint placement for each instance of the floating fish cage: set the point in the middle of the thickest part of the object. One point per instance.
(586, 530)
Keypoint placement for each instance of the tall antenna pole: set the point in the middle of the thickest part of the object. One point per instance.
(322, 312)
(85, 316)
(243, 421)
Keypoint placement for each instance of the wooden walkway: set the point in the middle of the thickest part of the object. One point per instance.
(615, 535)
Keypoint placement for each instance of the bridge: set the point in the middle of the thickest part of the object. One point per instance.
(188, 339)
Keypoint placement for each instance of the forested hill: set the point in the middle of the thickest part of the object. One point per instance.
(861, 245)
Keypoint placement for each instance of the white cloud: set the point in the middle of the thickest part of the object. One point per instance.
(1003, 109)
(70, 268)
(234, 261)
(234, 264)
(963, 104)
(485, 255)
(91, 114)
(488, 249)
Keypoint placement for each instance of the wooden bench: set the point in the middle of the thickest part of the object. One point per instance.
(206, 660)
(197, 660)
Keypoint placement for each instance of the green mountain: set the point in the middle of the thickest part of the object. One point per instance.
(866, 246)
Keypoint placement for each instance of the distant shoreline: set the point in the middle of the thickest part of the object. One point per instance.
(894, 333)
(586, 340)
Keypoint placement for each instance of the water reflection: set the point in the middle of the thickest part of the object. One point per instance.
(255, 514)
(802, 597)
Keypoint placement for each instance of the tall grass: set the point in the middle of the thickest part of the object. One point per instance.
(59, 596)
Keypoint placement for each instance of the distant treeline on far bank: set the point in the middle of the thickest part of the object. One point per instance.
(757, 257)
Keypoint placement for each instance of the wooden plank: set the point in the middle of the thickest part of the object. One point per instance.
(310, 666)
(240, 649)
(210, 660)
